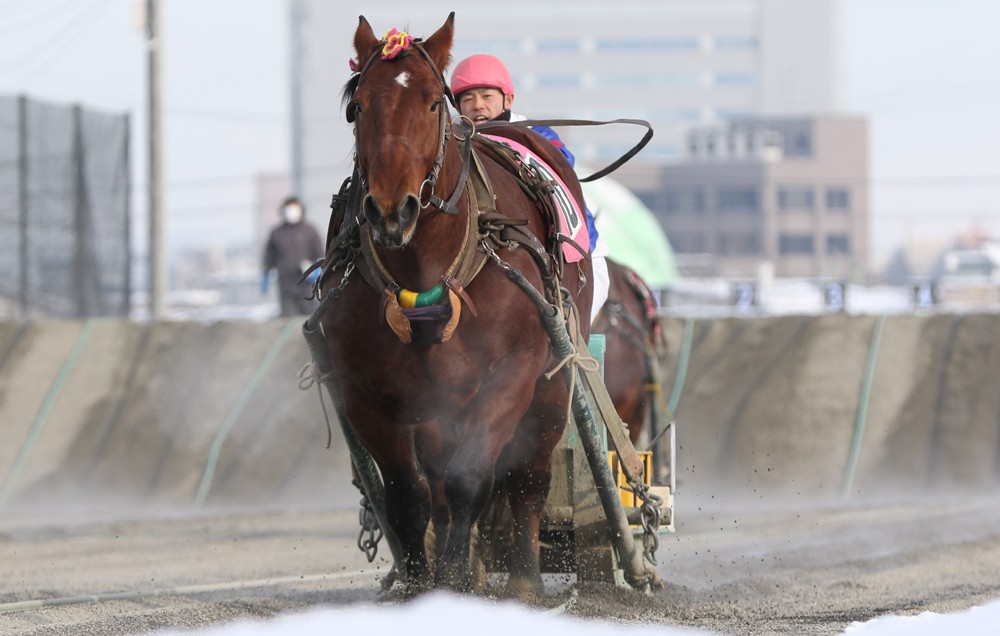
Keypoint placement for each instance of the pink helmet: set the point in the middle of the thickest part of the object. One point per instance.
(481, 71)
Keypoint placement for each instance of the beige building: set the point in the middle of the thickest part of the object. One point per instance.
(789, 195)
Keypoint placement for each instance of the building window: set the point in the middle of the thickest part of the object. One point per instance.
(734, 79)
(795, 199)
(687, 243)
(670, 115)
(649, 44)
(499, 46)
(738, 200)
(838, 244)
(838, 199)
(801, 144)
(795, 244)
(636, 81)
(558, 45)
(558, 80)
(735, 42)
(684, 201)
(649, 199)
(740, 244)
(734, 112)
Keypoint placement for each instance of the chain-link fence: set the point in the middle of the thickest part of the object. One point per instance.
(64, 211)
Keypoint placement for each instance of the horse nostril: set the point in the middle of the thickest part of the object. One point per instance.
(408, 210)
(370, 208)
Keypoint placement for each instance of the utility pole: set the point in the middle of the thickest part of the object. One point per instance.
(157, 262)
(295, 72)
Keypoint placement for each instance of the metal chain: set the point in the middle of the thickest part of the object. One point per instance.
(649, 515)
(504, 265)
(371, 532)
(347, 273)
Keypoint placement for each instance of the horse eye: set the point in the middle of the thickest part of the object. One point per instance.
(434, 106)
(353, 110)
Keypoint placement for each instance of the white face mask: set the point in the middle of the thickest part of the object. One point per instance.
(291, 213)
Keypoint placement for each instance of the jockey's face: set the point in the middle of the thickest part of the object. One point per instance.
(483, 104)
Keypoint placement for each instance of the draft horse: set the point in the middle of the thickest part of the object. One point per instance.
(634, 344)
(439, 359)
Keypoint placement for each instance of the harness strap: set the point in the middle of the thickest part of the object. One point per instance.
(463, 268)
(450, 206)
(419, 45)
(492, 125)
(502, 231)
(538, 190)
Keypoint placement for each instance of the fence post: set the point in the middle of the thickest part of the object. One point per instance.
(126, 303)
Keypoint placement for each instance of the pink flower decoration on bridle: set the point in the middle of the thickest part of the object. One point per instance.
(395, 43)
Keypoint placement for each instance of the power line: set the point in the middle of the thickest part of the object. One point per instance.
(65, 37)
(21, 22)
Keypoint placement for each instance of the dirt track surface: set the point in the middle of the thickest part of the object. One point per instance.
(792, 569)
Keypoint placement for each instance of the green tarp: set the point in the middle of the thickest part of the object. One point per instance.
(633, 234)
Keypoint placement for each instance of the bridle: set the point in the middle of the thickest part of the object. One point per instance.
(444, 132)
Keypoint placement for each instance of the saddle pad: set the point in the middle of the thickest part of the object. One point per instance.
(572, 222)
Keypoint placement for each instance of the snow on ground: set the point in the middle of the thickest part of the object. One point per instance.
(442, 613)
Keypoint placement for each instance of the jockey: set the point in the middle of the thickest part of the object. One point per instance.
(484, 91)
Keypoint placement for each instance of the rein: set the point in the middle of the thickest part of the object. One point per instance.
(617, 163)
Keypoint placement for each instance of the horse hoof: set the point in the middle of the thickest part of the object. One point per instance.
(402, 592)
(460, 582)
(523, 590)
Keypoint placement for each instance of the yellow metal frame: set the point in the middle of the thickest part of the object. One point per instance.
(629, 500)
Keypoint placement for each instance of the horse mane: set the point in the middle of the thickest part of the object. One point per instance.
(347, 93)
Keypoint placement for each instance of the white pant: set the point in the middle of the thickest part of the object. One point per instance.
(601, 284)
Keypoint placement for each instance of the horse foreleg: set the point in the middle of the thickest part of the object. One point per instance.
(531, 487)
(407, 499)
(470, 474)
(468, 487)
(528, 479)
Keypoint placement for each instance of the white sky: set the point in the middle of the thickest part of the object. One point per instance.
(442, 613)
(926, 72)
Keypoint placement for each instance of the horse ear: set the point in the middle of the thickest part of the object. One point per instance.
(364, 40)
(438, 46)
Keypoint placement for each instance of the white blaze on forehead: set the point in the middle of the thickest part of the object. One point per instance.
(403, 79)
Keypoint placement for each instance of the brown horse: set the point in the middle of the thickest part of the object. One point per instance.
(634, 342)
(450, 405)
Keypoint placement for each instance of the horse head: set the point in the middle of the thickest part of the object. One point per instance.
(398, 103)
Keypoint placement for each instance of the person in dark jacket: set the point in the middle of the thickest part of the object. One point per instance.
(292, 247)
